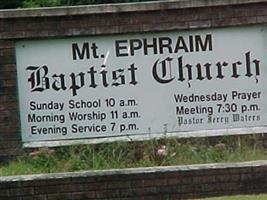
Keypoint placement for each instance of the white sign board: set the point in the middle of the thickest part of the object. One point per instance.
(142, 84)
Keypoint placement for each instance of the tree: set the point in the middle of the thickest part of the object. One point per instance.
(4, 4)
(40, 3)
(87, 2)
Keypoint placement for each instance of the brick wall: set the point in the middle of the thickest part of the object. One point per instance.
(103, 20)
(62, 22)
(150, 183)
(10, 144)
(161, 183)
(100, 20)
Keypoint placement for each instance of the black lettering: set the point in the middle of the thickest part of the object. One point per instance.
(104, 75)
(118, 79)
(163, 64)
(203, 46)
(94, 48)
(135, 45)
(248, 65)
(77, 53)
(153, 46)
(235, 65)
(220, 67)
(181, 70)
(92, 73)
(165, 43)
(38, 78)
(180, 45)
(59, 82)
(74, 86)
(119, 47)
(199, 71)
(132, 70)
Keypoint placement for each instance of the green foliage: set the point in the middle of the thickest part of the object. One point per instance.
(50, 3)
(240, 197)
(88, 2)
(40, 3)
(6, 4)
(135, 154)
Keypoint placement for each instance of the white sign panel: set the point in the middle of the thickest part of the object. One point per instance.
(140, 84)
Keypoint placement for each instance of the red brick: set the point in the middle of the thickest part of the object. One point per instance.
(130, 28)
(233, 21)
(7, 67)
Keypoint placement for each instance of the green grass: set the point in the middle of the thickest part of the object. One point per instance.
(135, 154)
(240, 197)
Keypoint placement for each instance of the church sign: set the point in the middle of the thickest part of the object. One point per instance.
(142, 84)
